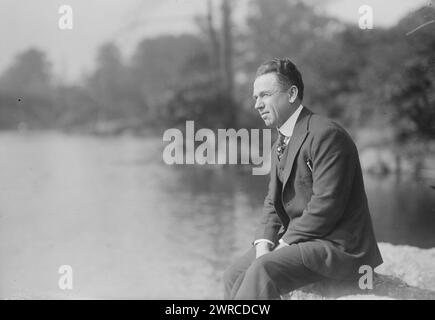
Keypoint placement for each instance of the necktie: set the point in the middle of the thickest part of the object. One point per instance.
(281, 145)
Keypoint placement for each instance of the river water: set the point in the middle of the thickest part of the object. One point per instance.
(131, 226)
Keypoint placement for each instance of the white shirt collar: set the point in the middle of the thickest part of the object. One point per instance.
(288, 126)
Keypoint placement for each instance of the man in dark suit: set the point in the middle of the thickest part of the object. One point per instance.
(316, 222)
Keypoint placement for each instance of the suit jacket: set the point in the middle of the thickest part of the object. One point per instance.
(325, 211)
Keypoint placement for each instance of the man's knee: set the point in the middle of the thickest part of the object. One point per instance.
(231, 273)
(260, 265)
(239, 266)
(228, 275)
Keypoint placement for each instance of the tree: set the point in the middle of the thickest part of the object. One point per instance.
(29, 74)
(411, 89)
(27, 91)
(113, 89)
(158, 65)
(413, 94)
(176, 76)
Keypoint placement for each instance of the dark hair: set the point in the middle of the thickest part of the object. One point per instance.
(286, 71)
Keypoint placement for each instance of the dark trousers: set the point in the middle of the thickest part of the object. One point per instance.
(269, 276)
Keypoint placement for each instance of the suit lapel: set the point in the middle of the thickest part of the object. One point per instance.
(300, 132)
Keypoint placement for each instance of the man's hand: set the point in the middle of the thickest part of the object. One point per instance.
(261, 248)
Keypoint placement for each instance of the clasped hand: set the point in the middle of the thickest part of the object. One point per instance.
(263, 247)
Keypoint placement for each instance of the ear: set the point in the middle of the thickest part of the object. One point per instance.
(292, 94)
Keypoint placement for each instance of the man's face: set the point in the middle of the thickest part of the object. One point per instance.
(270, 101)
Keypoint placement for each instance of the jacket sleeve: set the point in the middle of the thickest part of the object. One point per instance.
(270, 222)
(334, 162)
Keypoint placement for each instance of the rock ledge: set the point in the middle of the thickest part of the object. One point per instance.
(407, 273)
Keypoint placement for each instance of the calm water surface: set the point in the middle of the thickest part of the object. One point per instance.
(132, 227)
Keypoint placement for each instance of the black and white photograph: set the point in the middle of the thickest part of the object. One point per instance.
(217, 150)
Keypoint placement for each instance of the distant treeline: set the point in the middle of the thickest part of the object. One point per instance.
(383, 76)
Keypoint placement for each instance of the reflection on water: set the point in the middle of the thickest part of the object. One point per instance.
(403, 209)
(132, 227)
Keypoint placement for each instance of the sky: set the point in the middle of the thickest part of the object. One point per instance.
(34, 23)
